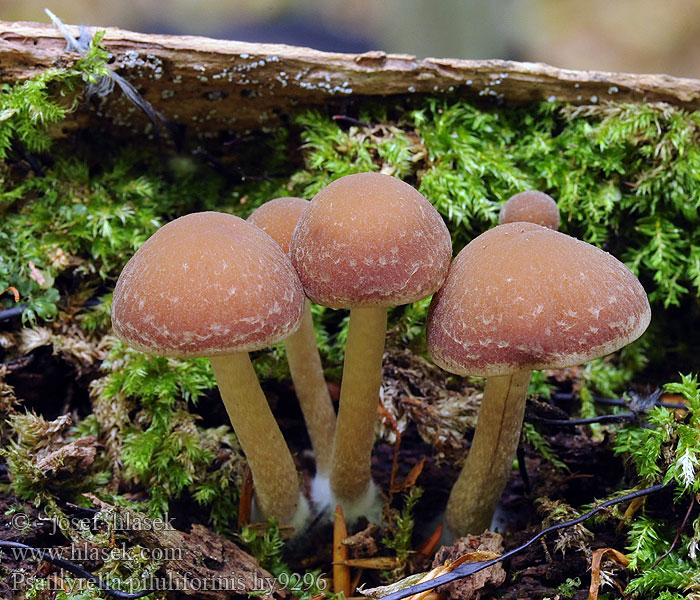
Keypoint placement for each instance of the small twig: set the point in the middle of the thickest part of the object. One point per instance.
(467, 569)
(92, 511)
(621, 401)
(673, 405)
(11, 313)
(678, 534)
(639, 404)
(631, 417)
(350, 120)
(79, 572)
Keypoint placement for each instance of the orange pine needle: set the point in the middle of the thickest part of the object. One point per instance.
(14, 291)
(411, 477)
(341, 553)
(378, 563)
(245, 502)
(428, 547)
(356, 580)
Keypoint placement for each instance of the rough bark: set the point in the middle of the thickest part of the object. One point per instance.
(215, 85)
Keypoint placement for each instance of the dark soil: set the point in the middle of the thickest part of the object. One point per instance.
(51, 387)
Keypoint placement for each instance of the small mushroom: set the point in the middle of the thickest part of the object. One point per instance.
(278, 218)
(367, 242)
(531, 207)
(517, 298)
(210, 284)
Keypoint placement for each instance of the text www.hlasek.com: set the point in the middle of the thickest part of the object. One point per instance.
(78, 553)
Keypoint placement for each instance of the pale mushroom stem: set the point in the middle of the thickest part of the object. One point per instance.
(274, 473)
(478, 489)
(312, 391)
(357, 412)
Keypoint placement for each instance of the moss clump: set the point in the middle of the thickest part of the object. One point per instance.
(624, 176)
(27, 110)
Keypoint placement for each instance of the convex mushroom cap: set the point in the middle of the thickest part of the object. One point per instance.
(523, 297)
(279, 217)
(530, 206)
(207, 284)
(370, 240)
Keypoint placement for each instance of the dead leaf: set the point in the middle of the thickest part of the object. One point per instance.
(428, 547)
(410, 479)
(472, 548)
(595, 568)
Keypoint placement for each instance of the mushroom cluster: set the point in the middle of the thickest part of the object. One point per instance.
(519, 297)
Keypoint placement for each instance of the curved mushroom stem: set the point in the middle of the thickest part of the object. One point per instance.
(478, 489)
(311, 389)
(274, 473)
(359, 394)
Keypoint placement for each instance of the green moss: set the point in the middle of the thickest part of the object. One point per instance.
(626, 177)
(267, 546)
(542, 446)
(162, 447)
(399, 533)
(28, 109)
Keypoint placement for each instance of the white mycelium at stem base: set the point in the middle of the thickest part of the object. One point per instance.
(210, 284)
(367, 242)
(517, 298)
(278, 218)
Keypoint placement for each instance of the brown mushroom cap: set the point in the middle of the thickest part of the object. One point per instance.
(278, 218)
(522, 297)
(207, 284)
(370, 240)
(532, 207)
